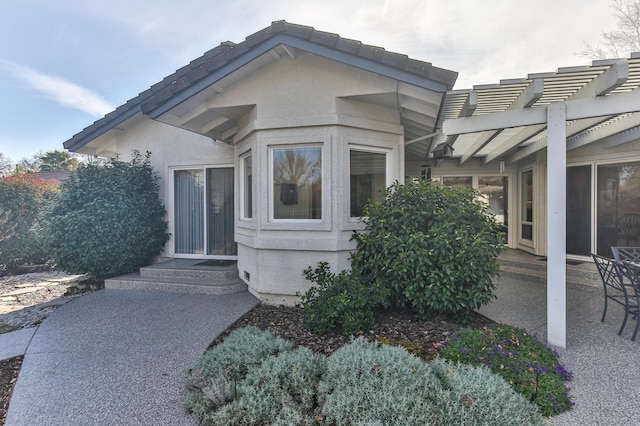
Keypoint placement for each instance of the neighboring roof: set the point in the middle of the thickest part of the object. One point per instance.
(229, 56)
(591, 86)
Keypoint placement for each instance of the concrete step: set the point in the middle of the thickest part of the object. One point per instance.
(170, 284)
(583, 273)
(209, 274)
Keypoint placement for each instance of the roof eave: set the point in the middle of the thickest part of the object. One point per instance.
(156, 109)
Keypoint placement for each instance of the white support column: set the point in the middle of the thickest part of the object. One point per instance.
(556, 224)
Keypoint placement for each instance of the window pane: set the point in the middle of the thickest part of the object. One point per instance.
(297, 183)
(189, 211)
(368, 179)
(618, 212)
(495, 190)
(220, 226)
(457, 181)
(579, 210)
(527, 205)
(247, 188)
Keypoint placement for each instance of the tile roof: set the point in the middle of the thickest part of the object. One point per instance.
(225, 54)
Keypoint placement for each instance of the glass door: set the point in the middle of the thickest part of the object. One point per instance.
(204, 212)
(579, 210)
(618, 206)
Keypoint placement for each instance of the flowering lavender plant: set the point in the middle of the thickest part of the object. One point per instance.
(532, 368)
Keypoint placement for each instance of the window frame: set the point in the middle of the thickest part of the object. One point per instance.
(295, 223)
(243, 187)
(387, 171)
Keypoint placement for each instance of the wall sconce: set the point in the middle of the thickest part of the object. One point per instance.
(443, 150)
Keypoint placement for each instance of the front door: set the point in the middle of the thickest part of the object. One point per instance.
(203, 212)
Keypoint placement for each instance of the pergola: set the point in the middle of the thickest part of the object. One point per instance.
(557, 112)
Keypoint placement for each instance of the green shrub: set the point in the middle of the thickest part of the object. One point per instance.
(435, 247)
(108, 220)
(22, 198)
(360, 384)
(521, 359)
(215, 377)
(367, 383)
(339, 300)
(282, 390)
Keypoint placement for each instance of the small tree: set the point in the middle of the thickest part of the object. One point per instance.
(108, 220)
(435, 248)
(22, 198)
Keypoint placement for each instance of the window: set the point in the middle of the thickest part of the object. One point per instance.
(458, 181)
(368, 179)
(494, 192)
(526, 208)
(297, 183)
(247, 187)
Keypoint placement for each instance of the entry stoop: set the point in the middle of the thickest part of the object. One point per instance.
(520, 265)
(183, 276)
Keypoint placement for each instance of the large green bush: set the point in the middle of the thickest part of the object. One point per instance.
(526, 363)
(22, 198)
(435, 247)
(108, 220)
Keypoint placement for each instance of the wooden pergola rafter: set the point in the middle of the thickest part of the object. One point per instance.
(558, 112)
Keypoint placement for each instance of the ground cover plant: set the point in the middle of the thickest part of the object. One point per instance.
(360, 383)
(108, 220)
(520, 358)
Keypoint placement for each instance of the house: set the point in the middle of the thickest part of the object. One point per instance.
(268, 150)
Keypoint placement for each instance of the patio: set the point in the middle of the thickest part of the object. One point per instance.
(597, 356)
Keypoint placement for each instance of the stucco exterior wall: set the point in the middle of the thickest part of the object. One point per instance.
(306, 102)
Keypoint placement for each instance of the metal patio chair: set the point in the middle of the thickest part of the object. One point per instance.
(628, 229)
(631, 271)
(626, 254)
(617, 288)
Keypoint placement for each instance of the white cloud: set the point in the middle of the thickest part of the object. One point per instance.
(60, 90)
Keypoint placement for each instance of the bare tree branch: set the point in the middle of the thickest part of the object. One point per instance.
(623, 40)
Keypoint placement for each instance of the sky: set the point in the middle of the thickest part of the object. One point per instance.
(66, 63)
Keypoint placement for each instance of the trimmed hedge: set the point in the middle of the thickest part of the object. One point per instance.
(108, 220)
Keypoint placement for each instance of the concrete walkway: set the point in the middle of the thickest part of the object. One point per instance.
(606, 367)
(119, 357)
